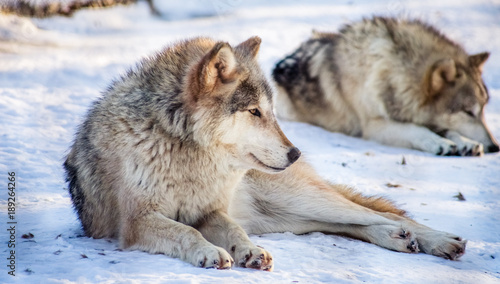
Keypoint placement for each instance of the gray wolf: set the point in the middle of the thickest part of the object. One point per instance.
(183, 156)
(158, 157)
(397, 82)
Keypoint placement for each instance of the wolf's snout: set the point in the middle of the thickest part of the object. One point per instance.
(491, 149)
(293, 155)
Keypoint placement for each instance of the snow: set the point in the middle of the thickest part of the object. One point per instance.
(52, 69)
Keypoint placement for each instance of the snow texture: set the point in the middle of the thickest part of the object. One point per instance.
(52, 69)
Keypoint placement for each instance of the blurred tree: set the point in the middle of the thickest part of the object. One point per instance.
(50, 8)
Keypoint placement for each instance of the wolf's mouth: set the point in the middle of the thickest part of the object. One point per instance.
(264, 165)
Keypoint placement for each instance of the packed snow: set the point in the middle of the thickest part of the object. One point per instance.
(52, 69)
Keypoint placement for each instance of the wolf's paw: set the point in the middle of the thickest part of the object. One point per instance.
(446, 148)
(253, 257)
(465, 146)
(392, 237)
(469, 147)
(405, 241)
(212, 257)
(443, 245)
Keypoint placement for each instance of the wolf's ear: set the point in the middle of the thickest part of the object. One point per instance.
(250, 46)
(216, 68)
(478, 60)
(440, 74)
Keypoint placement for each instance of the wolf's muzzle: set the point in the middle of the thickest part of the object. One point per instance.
(491, 149)
(293, 155)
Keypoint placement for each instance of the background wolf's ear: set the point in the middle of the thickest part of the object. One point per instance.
(217, 67)
(250, 46)
(441, 73)
(478, 60)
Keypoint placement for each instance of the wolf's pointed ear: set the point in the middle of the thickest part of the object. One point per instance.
(478, 60)
(440, 74)
(250, 46)
(217, 67)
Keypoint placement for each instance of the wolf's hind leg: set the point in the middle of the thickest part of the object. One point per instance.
(432, 241)
(406, 236)
(154, 233)
(219, 229)
(295, 195)
(418, 237)
(299, 201)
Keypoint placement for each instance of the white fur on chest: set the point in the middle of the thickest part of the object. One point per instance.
(183, 182)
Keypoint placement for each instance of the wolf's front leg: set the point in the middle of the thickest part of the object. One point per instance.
(155, 233)
(221, 230)
(408, 135)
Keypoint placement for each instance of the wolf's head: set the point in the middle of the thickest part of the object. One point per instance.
(457, 95)
(231, 104)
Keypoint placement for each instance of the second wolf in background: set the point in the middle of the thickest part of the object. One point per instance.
(398, 82)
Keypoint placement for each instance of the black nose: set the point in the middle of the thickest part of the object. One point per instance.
(293, 155)
(491, 149)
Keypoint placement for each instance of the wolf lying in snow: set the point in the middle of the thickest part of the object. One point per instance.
(183, 156)
(398, 82)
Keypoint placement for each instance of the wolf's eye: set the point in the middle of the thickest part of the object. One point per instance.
(469, 113)
(255, 112)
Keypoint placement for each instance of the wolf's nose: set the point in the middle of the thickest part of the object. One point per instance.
(491, 149)
(293, 155)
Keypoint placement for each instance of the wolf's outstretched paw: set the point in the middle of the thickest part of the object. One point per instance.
(471, 148)
(253, 257)
(443, 245)
(392, 237)
(405, 241)
(212, 257)
(437, 145)
(465, 146)
(447, 149)
(451, 248)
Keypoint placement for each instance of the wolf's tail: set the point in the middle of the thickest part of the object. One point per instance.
(291, 69)
(76, 192)
(295, 75)
(294, 70)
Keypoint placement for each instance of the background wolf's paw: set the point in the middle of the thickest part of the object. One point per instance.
(253, 257)
(470, 148)
(443, 245)
(465, 146)
(212, 257)
(447, 149)
(440, 146)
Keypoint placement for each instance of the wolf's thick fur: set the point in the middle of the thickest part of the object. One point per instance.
(185, 143)
(398, 82)
(157, 159)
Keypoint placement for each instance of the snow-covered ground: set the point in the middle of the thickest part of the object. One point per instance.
(52, 69)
